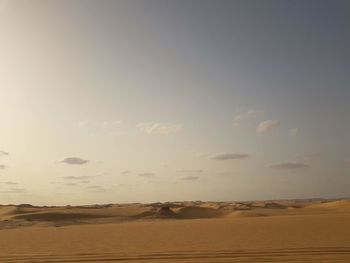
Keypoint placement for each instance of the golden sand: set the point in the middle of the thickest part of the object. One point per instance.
(280, 231)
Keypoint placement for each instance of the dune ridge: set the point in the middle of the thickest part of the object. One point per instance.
(28, 215)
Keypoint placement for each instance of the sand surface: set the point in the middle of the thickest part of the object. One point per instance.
(262, 231)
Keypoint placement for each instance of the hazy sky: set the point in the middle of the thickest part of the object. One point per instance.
(156, 100)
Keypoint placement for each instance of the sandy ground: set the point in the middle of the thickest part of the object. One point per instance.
(263, 231)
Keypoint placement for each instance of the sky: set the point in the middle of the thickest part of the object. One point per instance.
(163, 100)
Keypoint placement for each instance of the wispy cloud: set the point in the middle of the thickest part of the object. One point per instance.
(72, 177)
(267, 125)
(98, 128)
(9, 183)
(242, 116)
(111, 124)
(14, 191)
(2, 166)
(228, 156)
(74, 161)
(87, 123)
(70, 184)
(97, 188)
(125, 172)
(3, 153)
(147, 175)
(191, 171)
(84, 182)
(190, 178)
(294, 131)
(159, 128)
(289, 165)
(225, 173)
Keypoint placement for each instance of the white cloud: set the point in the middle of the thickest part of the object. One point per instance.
(74, 161)
(86, 123)
(294, 131)
(228, 156)
(267, 125)
(159, 128)
(100, 128)
(291, 165)
(245, 115)
(111, 124)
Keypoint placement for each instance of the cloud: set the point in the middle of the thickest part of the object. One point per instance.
(14, 191)
(200, 154)
(225, 173)
(70, 184)
(125, 172)
(190, 178)
(294, 131)
(96, 188)
(245, 115)
(159, 128)
(9, 183)
(228, 156)
(84, 182)
(74, 161)
(111, 124)
(291, 165)
(147, 175)
(267, 125)
(86, 123)
(72, 177)
(98, 128)
(2, 166)
(191, 171)
(3, 153)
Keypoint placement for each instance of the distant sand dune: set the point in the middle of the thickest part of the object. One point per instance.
(11, 216)
(337, 205)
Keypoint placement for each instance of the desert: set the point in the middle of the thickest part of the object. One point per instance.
(256, 231)
(174, 131)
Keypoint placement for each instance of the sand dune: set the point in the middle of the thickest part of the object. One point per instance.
(343, 205)
(199, 212)
(263, 231)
